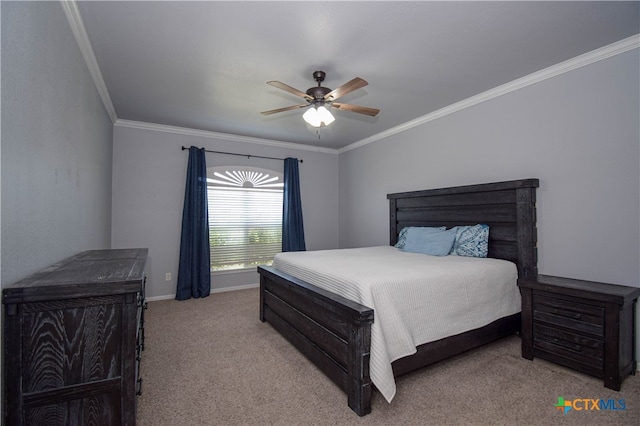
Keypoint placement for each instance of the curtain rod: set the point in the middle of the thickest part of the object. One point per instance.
(241, 155)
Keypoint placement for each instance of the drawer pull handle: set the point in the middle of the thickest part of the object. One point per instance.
(557, 311)
(576, 348)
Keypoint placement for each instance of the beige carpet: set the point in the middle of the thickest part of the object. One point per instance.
(212, 362)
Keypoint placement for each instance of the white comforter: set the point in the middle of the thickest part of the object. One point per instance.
(416, 298)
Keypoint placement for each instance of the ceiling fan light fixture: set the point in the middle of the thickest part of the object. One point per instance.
(325, 116)
(311, 117)
(318, 117)
(317, 97)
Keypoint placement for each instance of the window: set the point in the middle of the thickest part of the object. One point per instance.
(245, 216)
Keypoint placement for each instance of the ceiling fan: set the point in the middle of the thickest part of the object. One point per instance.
(319, 97)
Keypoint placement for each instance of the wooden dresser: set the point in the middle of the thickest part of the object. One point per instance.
(73, 336)
(584, 325)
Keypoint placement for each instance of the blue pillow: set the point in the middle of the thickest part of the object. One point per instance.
(402, 237)
(471, 241)
(433, 242)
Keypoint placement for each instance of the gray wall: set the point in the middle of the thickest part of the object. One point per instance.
(56, 144)
(577, 132)
(149, 171)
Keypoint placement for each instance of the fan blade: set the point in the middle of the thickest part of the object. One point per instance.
(289, 89)
(348, 87)
(273, 111)
(356, 108)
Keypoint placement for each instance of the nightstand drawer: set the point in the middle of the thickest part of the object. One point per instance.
(579, 347)
(569, 314)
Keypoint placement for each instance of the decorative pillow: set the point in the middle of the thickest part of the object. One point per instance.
(471, 241)
(402, 237)
(433, 242)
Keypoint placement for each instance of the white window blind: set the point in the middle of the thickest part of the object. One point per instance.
(245, 217)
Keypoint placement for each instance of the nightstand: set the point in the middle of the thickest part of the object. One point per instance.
(584, 325)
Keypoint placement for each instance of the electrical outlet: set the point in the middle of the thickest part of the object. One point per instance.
(167, 276)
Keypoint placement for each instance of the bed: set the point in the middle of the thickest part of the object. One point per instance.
(334, 332)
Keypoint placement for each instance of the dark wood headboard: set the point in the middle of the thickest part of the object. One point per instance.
(509, 208)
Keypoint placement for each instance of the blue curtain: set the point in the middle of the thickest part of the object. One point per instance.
(194, 276)
(292, 225)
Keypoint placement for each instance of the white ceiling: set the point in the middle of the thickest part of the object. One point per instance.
(204, 65)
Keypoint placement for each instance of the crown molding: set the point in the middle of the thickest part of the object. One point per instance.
(80, 33)
(220, 136)
(605, 52)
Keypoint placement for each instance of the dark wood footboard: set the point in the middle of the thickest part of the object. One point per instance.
(333, 332)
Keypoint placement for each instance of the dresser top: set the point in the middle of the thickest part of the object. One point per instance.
(580, 288)
(87, 274)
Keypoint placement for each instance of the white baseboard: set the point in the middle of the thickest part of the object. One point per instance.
(156, 298)
(213, 290)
